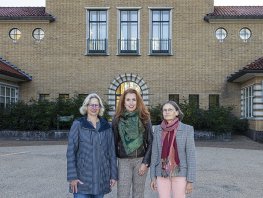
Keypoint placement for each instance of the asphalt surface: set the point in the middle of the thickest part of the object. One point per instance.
(224, 170)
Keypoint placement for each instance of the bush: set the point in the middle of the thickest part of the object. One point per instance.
(41, 115)
(216, 119)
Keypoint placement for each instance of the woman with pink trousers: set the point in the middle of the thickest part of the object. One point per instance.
(173, 160)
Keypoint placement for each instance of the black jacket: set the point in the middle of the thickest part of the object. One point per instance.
(144, 151)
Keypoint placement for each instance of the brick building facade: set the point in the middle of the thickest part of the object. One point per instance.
(167, 49)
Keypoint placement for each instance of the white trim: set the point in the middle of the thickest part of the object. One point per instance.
(7, 84)
(97, 8)
(157, 8)
(129, 8)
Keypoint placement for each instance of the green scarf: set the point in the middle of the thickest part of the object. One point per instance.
(131, 130)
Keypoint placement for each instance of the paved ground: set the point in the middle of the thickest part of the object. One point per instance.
(224, 170)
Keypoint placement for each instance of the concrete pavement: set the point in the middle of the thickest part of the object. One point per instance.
(40, 172)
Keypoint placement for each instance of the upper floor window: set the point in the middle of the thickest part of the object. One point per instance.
(8, 95)
(97, 33)
(213, 100)
(15, 34)
(128, 42)
(221, 34)
(38, 34)
(245, 34)
(63, 96)
(160, 31)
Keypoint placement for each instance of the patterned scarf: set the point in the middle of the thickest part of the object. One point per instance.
(170, 158)
(131, 131)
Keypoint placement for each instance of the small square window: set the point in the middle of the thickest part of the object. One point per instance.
(43, 97)
(213, 100)
(174, 97)
(63, 96)
(194, 100)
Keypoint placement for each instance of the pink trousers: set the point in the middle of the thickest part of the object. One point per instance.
(171, 186)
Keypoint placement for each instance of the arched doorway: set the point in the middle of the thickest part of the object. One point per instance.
(123, 82)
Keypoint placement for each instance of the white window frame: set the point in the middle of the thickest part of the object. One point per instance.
(88, 9)
(119, 29)
(11, 87)
(221, 34)
(247, 94)
(170, 27)
(245, 34)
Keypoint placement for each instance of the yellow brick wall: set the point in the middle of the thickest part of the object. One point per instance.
(199, 65)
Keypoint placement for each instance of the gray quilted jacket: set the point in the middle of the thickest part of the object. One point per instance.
(186, 151)
(91, 156)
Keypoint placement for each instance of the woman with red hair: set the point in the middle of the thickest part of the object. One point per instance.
(133, 141)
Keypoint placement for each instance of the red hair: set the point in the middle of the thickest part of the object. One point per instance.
(140, 106)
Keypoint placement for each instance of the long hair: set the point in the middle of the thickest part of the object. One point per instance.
(177, 108)
(144, 114)
(83, 108)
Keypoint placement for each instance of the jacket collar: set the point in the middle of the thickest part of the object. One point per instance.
(104, 125)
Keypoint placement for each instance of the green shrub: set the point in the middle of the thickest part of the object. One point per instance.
(217, 119)
(42, 115)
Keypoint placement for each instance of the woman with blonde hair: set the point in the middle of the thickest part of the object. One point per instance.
(133, 141)
(173, 168)
(91, 158)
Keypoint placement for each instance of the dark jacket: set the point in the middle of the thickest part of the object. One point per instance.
(91, 156)
(144, 151)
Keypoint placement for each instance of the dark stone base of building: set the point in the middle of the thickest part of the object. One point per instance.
(35, 135)
(255, 135)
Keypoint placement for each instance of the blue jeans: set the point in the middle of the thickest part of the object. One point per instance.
(79, 195)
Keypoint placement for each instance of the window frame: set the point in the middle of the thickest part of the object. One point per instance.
(245, 30)
(219, 36)
(169, 40)
(11, 98)
(247, 101)
(174, 97)
(192, 100)
(88, 39)
(40, 33)
(210, 105)
(119, 24)
(16, 35)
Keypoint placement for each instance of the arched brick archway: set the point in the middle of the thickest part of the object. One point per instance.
(126, 78)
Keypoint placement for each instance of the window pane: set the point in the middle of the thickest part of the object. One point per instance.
(156, 15)
(8, 92)
(134, 31)
(165, 15)
(2, 93)
(156, 31)
(12, 92)
(165, 31)
(103, 15)
(93, 16)
(134, 16)
(102, 31)
(124, 15)
(93, 31)
(124, 33)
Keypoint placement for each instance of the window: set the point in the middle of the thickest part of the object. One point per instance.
(38, 34)
(15, 34)
(97, 37)
(128, 42)
(247, 102)
(245, 34)
(213, 100)
(8, 95)
(43, 97)
(174, 97)
(160, 35)
(194, 100)
(63, 96)
(221, 34)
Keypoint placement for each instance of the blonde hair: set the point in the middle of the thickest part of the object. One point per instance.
(83, 108)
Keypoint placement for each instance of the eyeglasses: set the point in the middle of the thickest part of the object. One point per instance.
(168, 110)
(94, 106)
